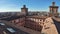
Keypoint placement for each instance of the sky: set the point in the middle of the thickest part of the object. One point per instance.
(32, 5)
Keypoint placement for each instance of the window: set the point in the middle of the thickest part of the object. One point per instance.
(17, 20)
(36, 20)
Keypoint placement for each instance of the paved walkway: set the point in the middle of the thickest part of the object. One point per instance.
(49, 27)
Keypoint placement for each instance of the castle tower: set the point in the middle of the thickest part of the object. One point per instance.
(53, 10)
(24, 10)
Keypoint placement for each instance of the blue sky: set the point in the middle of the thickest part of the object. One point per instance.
(33, 5)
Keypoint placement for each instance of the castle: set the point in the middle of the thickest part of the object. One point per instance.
(33, 20)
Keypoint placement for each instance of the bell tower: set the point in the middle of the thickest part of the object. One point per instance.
(24, 10)
(53, 10)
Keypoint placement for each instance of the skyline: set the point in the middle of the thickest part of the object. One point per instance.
(32, 5)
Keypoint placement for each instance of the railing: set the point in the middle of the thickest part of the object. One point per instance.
(57, 19)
